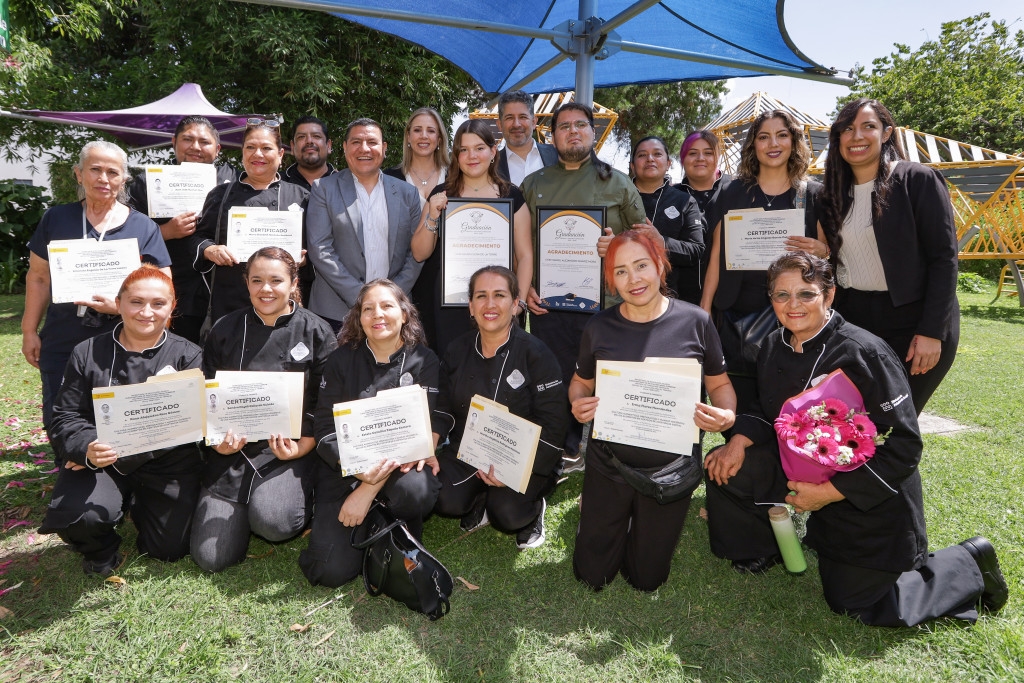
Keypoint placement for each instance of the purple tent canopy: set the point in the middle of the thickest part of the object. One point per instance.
(149, 125)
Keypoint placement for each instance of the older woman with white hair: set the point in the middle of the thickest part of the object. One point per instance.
(101, 214)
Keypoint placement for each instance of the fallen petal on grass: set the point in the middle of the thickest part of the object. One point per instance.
(16, 586)
(467, 584)
(299, 628)
(116, 580)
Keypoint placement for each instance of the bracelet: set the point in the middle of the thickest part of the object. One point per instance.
(431, 225)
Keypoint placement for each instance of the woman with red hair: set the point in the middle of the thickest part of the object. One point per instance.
(96, 485)
(622, 529)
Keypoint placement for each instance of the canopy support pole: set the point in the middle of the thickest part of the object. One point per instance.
(584, 57)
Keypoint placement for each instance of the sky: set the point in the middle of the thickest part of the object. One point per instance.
(869, 30)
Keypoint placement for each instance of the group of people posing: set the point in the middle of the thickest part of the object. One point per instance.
(869, 289)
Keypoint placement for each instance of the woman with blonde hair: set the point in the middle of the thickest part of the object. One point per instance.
(425, 155)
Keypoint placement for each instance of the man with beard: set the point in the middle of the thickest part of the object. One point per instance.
(195, 140)
(578, 179)
(311, 145)
(521, 155)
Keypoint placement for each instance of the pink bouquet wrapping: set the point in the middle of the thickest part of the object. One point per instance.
(825, 430)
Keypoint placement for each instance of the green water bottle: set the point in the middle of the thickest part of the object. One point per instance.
(785, 535)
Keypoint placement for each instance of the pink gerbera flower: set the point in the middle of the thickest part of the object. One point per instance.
(826, 450)
(864, 425)
(863, 446)
(789, 425)
(836, 409)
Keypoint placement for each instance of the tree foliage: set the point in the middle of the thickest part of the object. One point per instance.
(968, 85)
(669, 110)
(83, 55)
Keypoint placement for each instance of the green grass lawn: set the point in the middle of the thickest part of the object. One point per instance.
(529, 619)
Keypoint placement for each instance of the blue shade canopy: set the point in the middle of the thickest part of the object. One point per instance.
(528, 43)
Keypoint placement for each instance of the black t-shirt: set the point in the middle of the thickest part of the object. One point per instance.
(683, 331)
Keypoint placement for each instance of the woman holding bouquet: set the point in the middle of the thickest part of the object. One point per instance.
(868, 527)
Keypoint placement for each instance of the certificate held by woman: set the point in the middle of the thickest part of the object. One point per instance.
(393, 425)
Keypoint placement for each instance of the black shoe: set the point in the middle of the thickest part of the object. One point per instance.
(995, 592)
(476, 518)
(533, 535)
(103, 568)
(756, 565)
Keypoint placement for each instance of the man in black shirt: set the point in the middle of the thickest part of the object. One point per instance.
(195, 140)
(311, 145)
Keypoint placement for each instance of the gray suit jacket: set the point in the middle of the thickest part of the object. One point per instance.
(548, 154)
(334, 234)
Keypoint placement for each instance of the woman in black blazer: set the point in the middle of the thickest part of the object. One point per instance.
(889, 225)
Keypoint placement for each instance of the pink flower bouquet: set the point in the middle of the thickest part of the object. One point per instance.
(825, 430)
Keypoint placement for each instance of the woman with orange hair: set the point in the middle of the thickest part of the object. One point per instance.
(96, 484)
(622, 529)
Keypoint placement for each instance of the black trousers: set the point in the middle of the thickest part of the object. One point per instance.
(738, 525)
(623, 531)
(88, 504)
(896, 325)
(330, 560)
(507, 510)
(562, 333)
(948, 584)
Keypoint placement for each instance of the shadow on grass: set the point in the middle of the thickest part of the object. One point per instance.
(997, 313)
(531, 617)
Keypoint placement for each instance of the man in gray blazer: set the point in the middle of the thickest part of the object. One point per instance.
(521, 155)
(359, 226)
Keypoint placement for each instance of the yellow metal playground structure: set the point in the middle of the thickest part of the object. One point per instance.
(986, 187)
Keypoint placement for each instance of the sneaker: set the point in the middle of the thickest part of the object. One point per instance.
(103, 568)
(476, 518)
(572, 464)
(533, 535)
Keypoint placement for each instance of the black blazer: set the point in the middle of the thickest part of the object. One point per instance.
(916, 238)
(548, 154)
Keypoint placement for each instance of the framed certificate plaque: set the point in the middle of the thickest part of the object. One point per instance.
(569, 273)
(473, 233)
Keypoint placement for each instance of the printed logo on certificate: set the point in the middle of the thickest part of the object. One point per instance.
(474, 233)
(569, 275)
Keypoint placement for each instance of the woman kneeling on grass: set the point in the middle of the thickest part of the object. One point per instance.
(620, 528)
(264, 487)
(96, 485)
(382, 347)
(868, 523)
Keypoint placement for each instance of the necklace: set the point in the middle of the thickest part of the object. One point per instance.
(423, 181)
(769, 198)
(476, 189)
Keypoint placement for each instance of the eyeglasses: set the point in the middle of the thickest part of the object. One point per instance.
(804, 296)
(578, 125)
(266, 123)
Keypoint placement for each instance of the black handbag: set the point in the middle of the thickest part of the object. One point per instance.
(743, 336)
(397, 565)
(666, 484)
